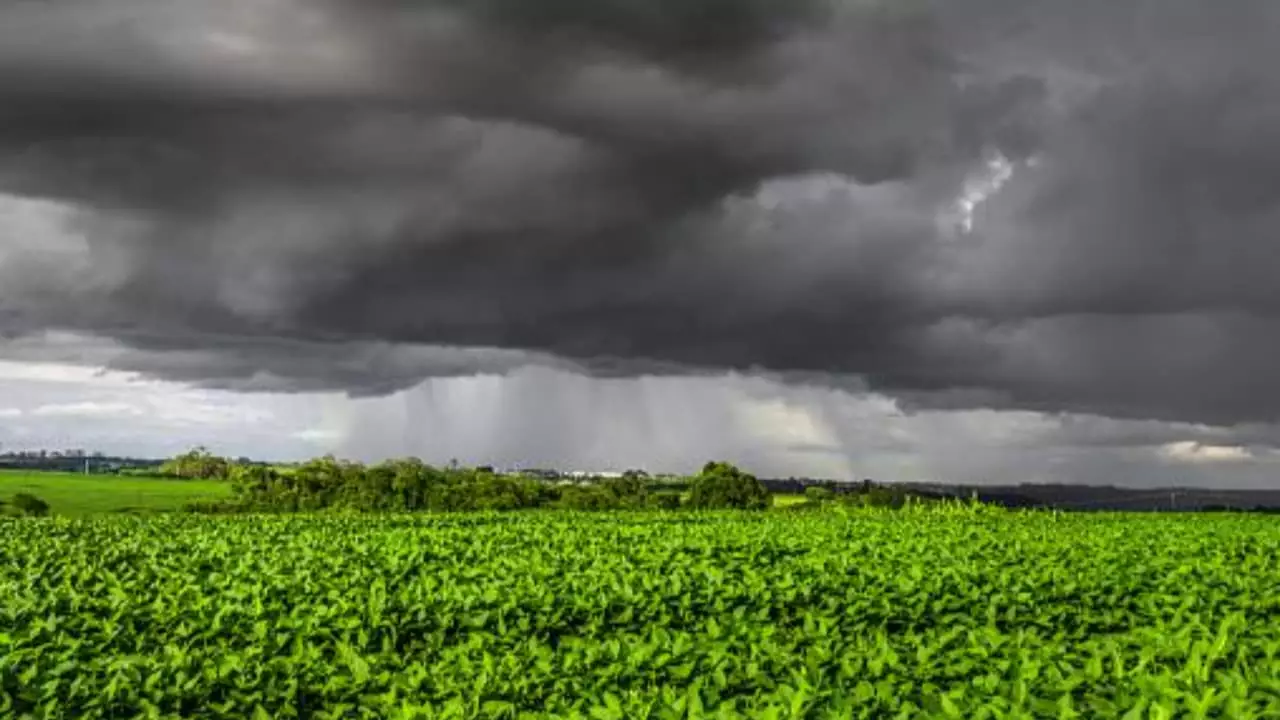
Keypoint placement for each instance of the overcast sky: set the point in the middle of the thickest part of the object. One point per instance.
(978, 241)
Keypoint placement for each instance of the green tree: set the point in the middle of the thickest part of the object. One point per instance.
(585, 497)
(322, 482)
(721, 485)
(630, 490)
(197, 463)
(252, 481)
(818, 494)
(663, 500)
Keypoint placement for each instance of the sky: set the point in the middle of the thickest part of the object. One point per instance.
(982, 241)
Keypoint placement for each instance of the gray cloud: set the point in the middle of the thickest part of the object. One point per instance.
(346, 195)
(278, 365)
(774, 429)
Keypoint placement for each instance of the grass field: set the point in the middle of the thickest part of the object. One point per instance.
(78, 495)
(632, 616)
(787, 500)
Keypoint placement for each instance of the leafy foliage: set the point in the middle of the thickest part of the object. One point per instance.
(883, 497)
(399, 485)
(723, 486)
(937, 611)
(819, 494)
(410, 485)
(632, 491)
(197, 464)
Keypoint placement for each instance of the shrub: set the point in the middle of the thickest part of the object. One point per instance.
(216, 507)
(504, 492)
(626, 493)
(30, 505)
(818, 494)
(663, 501)
(721, 485)
(198, 463)
(585, 497)
(886, 497)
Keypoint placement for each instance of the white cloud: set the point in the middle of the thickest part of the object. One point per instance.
(775, 426)
(66, 374)
(1194, 452)
(981, 187)
(36, 225)
(88, 409)
(56, 405)
(193, 407)
(318, 436)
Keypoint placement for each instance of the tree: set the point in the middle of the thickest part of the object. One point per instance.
(627, 491)
(818, 494)
(251, 480)
(197, 463)
(721, 485)
(585, 497)
(665, 500)
(319, 483)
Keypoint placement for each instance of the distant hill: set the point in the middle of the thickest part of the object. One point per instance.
(1068, 497)
(1108, 497)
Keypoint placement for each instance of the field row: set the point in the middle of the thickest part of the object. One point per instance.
(638, 616)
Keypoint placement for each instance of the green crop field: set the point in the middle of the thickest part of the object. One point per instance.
(630, 616)
(76, 495)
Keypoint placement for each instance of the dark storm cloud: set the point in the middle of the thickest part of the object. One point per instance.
(278, 365)
(304, 195)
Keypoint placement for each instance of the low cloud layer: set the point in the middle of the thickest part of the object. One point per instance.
(1009, 204)
(536, 417)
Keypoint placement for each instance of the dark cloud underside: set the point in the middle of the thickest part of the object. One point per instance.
(315, 195)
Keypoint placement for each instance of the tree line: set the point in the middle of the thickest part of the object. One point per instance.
(410, 485)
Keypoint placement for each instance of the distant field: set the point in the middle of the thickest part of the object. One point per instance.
(781, 500)
(77, 495)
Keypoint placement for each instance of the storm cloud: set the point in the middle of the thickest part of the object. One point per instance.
(1012, 204)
